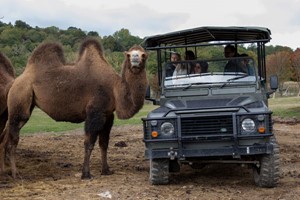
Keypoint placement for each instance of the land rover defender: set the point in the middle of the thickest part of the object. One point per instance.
(216, 116)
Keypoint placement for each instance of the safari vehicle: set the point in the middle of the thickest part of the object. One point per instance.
(213, 117)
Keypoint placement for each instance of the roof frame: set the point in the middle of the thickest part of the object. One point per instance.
(210, 34)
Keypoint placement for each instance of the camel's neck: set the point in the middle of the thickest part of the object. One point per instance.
(130, 93)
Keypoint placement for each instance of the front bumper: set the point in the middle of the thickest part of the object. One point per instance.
(233, 151)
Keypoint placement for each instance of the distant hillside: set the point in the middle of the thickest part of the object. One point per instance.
(18, 41)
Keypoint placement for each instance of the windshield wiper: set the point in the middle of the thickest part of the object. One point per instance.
(234, 78)
(191, 84)
(187, 87)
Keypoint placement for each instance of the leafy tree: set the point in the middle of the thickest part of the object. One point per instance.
(52, 30)
(35, 36)
(273, 49)
(93, 34)
(109, 42)
(11, 36)
(115, 59)
(125, 40)
(295, 59)
(72, 36)
(21, 24)
(279, 64)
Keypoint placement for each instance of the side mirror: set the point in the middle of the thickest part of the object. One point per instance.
(273, 85)
(274, 82)
(148, 96)
(148, 93)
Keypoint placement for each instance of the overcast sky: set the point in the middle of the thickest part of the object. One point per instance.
(144, 18)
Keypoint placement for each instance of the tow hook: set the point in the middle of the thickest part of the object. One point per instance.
(172, 154)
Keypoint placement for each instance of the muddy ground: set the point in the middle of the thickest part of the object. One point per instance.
(50, 168)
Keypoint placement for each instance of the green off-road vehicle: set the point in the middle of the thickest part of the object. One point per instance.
(220, 115)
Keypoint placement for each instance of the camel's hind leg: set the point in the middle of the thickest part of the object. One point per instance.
(3, 119)
(103, 143)
(15, 123)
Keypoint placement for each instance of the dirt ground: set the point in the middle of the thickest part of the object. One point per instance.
(50, 168)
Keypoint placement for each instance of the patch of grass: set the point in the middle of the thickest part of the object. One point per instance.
(41, 122)
(285, 107)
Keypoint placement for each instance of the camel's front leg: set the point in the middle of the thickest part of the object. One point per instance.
(4, 137)
(2, 155)
(103, 143)
(13, 142)
(89, 143)
(12, 157)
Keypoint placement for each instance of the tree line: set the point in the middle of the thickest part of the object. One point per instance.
(17, 41)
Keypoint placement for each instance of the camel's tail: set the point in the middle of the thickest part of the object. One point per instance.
(6, 65)
(91, 45)
(49, 54)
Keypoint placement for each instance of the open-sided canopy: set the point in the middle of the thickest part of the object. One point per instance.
(208, 34)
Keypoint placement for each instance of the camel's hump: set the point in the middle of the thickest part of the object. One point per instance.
(91, 42)
(48, 53)
(6, 65)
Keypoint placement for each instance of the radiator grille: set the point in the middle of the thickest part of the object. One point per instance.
(208, 125)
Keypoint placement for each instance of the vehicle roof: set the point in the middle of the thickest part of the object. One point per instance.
(209, 34)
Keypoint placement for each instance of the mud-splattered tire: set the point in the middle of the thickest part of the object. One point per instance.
(159, 171)
(267, 175)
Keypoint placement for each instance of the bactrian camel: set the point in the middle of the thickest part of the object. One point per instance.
(89, 90)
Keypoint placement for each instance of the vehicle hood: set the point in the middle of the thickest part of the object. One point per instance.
(249, 102)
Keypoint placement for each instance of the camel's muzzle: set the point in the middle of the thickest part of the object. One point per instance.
(135, 61)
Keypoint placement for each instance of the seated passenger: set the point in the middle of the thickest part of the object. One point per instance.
(230, 51)
(231, 65)
(189, 55)
(200, 67)
(183, 69)
(245, 65)
(170, 67)
(235, 66)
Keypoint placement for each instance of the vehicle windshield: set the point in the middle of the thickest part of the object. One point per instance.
(240, 70)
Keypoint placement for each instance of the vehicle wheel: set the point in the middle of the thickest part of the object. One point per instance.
(159, 171)
(267, 174)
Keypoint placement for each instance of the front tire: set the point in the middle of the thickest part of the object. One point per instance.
(159, 171)
(267, 174)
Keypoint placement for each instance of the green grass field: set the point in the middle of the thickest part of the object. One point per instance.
(41, 122)
(287, 107)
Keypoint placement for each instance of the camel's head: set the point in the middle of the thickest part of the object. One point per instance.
(136, 57)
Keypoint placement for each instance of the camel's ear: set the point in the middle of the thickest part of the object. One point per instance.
(144, 56)
(126, 54)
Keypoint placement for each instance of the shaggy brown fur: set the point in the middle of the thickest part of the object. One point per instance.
(89, 90)
(7, 77)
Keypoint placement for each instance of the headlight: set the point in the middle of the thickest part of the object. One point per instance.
(167, 129)
(248, 125)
